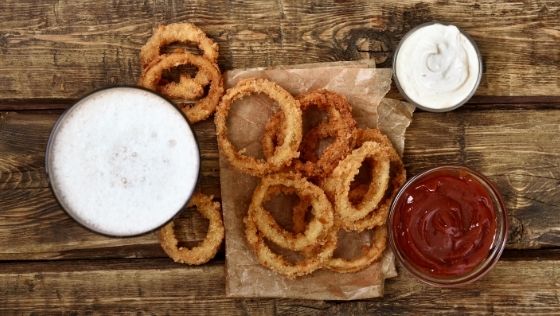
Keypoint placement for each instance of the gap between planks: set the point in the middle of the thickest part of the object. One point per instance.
(474, 104)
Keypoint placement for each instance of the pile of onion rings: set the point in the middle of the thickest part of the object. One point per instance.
(332, 197)
(186, 90)
(345, 186)
(208, 248)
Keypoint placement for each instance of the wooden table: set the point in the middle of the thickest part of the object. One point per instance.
(53, 52)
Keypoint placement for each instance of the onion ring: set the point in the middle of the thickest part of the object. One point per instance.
(211, 243)
(299, 210)
(357, 193)
(186, 88)
(370, 254)
(340, 123)
(272, 135)
(312, 139)
(183, 33)
(292, 127)
(378, 216)
(316, 229)
(177, 32)
(338, 183)
(204, 107)
(313, 258)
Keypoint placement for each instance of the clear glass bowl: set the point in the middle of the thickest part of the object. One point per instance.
(403, 93)
(496, 247)
(58, 195)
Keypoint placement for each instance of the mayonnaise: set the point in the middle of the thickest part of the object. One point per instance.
(437, 66)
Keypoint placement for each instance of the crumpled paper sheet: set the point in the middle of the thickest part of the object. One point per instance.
(365, 87)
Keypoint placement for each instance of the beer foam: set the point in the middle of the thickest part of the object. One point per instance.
(123, 161)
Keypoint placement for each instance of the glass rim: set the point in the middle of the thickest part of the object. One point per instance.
(48, 164)
(409, 99)
(496, 248)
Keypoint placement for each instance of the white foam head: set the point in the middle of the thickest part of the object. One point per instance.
(123, 161)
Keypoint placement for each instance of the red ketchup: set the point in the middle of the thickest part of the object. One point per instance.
(444, 224)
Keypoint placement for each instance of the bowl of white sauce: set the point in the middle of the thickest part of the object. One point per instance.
(437, 67)
(122, 161)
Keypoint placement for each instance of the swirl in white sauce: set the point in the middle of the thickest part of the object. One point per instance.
(437, 66)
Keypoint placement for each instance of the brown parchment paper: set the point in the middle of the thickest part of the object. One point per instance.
(365, 87)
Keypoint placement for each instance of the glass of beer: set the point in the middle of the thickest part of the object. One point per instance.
(122, 161)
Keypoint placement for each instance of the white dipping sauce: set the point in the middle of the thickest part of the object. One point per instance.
(123, 161)
(437, 66)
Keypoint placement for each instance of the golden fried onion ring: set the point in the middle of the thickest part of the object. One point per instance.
(180, 33)
(397, 173)
(292, 127)
(272, 135)
(186, 88)
(177, 32)
(209, 246)
(204, 107)
(337, 185)
(299, 212)
(340, 125)
(315, 230)
(313, 258)
(370, 254)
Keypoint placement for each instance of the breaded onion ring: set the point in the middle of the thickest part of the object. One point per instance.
(369, 255)
(315, 230)
(357, 193)
(186, 88)
(292, 127)
(299, 212)
(397, 173)
(204, 107)
(337, 185)
(312, 140)
(313, 258)
(180, 33)
(340, 125)
(272, 135)
(209, 246)
(177, 33)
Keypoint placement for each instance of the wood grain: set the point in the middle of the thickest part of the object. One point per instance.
(56, 50)
(517, 149)
(23, 141)
(31, 218)
(520, 156)
(162, 287)
(52, 52)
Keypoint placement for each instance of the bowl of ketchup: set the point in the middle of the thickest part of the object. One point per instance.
(448, 226)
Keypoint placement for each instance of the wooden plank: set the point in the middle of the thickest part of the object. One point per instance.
(23, 141)
(33, 225)
(162, 287)
(116, 287)
(517, 149)
(522, 157)
(65, 49)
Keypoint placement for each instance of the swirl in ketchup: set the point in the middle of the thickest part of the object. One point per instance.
(444, 223)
